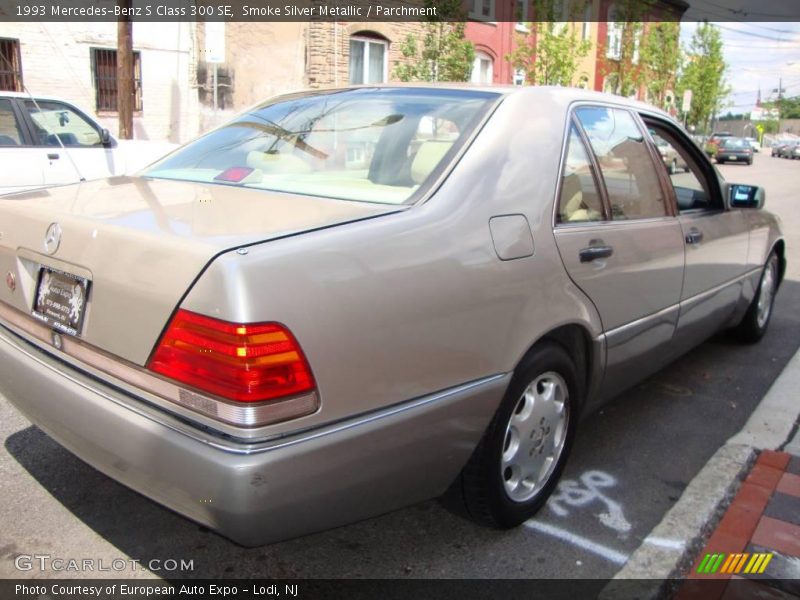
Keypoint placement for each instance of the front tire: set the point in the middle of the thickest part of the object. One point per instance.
(756, 319)
(518, 462)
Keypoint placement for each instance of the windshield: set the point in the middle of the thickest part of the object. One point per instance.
(367, 144)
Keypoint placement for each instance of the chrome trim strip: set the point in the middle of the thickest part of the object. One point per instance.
(688, 302)
(642, 321)
(210, 411)
(240, 446)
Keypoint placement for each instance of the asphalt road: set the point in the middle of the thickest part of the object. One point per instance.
(630, 464)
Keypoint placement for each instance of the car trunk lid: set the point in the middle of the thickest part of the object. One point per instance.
(141, 243)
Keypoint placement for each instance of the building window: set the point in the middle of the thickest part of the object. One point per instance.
(104, 69)
(583, 82)
(519, 77)
(614, 40)
(586, 30)
(368, 58)
(482, 68)
(521, 14)
(10, 66)
(482, 10)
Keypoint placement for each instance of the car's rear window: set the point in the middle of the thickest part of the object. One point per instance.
(735, 143)
(367, 144)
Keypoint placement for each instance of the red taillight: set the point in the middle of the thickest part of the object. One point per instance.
(242, 362)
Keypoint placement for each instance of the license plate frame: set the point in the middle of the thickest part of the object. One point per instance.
(60, 299)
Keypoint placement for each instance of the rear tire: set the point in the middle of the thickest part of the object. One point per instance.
(756, 319)
(517, 464)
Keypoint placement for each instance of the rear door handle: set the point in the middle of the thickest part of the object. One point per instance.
(694, 236)
(53, 156)
(594, 252)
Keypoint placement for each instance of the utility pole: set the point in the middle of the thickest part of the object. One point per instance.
(125, 89)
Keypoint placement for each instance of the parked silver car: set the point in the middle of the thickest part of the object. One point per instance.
(344, 302)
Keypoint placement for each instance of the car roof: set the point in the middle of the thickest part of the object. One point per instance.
(567, 95)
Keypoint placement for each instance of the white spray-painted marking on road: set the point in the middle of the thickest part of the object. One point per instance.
(581, 493)
(603, 551)
(665, 543)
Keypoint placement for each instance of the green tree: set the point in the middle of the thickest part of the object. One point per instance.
(704, 74)
(623, 68)
(550, 51)
(445, 54)
(661, 59)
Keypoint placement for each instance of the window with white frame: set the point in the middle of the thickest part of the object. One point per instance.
(482, 10)
(614, 38)
(482, 68)
(368, 60)
(519, 77)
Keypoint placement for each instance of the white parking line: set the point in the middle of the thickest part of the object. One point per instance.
(664, 542)
(603, 551)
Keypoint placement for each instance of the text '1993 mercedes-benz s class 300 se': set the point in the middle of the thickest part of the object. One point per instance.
(347, 301)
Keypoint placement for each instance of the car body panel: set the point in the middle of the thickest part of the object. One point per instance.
(144, 242)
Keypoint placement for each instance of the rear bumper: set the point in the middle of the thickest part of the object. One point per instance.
(253, 493)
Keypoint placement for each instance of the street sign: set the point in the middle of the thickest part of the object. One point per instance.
(687, 101)
(214, 49)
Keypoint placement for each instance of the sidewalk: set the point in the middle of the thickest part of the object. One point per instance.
(758, 538)
(744, 502)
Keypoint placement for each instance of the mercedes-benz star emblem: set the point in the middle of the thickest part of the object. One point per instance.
(52, 238)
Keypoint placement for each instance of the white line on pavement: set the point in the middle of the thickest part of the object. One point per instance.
(577, 540)
(664, 542)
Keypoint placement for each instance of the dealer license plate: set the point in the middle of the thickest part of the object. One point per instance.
(61, 300)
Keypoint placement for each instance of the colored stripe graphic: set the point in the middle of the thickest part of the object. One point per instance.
(732, 564)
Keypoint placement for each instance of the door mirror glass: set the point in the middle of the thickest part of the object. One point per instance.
(746, 196)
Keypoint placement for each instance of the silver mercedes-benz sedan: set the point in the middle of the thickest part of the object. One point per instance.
(347, 301)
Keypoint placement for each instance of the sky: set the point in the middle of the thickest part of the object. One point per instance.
(758, 55)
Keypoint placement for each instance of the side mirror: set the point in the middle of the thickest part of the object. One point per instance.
(746, 196)
(105, 137)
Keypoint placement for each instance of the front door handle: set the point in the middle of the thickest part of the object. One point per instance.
(594, 252)
(53, 156)
(694, 236)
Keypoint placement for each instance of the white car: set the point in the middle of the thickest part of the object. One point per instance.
(47, 141)
(754, 144)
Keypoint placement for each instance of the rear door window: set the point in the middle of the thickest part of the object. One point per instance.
(628, 171)
(579, 199)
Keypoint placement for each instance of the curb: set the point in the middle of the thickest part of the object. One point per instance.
(671, 545)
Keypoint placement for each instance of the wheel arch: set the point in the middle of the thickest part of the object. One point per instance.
(779, 248)
(577, 341)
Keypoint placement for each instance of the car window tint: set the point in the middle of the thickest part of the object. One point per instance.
(579, 199)
(58, 124)
(10, 130)
(690, 185)
(629, 173)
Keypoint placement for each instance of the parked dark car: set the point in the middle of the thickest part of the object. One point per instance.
(712, 144)
(734, 149)
(790, 150)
